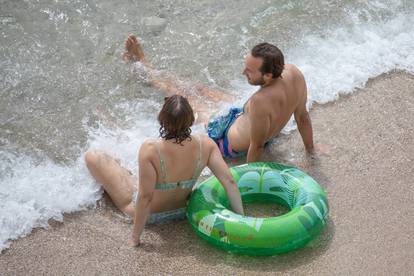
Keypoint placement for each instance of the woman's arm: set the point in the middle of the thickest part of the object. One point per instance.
(147, 179)
(221, 171)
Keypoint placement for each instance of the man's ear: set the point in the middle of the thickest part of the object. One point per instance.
(267, 76)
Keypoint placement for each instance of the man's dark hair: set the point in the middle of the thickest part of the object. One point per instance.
(176, 118)
(273, 59)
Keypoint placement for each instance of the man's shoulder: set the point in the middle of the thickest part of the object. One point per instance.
(258, 103)
(261, 95)
(292, 72)
(266, 94)
(292, 68)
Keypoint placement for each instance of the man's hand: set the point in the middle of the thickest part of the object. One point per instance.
(319, 149)
(133, 242)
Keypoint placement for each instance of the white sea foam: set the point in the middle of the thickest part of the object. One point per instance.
(35, 193)
(348, 57)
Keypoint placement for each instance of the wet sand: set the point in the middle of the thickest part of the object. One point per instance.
(368, 174)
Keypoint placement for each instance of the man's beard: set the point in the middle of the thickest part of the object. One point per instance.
(257, 82)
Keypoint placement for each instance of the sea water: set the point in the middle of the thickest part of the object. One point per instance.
(64, 88)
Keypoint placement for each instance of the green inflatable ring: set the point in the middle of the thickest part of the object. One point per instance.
(209, 213)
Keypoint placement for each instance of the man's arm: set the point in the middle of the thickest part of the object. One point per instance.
(304, 123)
(259, 127)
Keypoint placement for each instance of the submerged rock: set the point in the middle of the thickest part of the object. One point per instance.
(4, 19)
(154, 24)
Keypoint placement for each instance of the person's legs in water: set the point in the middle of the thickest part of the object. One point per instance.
(115, 180)
(197, 94)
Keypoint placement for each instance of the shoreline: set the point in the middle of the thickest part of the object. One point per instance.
(367, 174)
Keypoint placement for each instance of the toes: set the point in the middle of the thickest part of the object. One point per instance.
(130, 39)
(133, 49)
(127, 44)
(133, 40)
(133, 37)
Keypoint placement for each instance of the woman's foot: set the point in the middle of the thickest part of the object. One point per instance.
(133, 50)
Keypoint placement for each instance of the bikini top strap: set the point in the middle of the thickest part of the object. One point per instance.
(162, 162)
(198, 162)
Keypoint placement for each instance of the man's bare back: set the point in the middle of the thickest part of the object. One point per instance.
(282, 93)
(279, 100)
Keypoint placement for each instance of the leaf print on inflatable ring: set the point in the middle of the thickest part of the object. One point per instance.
(249, 183)
(273, 183)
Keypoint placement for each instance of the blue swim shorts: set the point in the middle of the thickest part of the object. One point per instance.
(218, 128)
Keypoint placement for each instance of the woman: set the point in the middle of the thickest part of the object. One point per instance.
(168, 170)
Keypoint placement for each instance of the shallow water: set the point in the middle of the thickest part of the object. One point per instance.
(65, 89)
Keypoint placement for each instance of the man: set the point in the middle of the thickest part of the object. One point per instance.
(244, 130)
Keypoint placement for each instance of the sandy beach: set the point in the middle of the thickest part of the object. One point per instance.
(367, 172)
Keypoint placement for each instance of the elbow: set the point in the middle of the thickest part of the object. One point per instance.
(233, 186)
(260, 147)
(232, 183)
(255, 152)
(257, 146)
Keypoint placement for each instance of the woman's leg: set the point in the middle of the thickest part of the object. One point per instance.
(115, 180)
(196, 94)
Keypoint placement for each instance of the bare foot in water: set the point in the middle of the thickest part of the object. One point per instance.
(133, 50)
